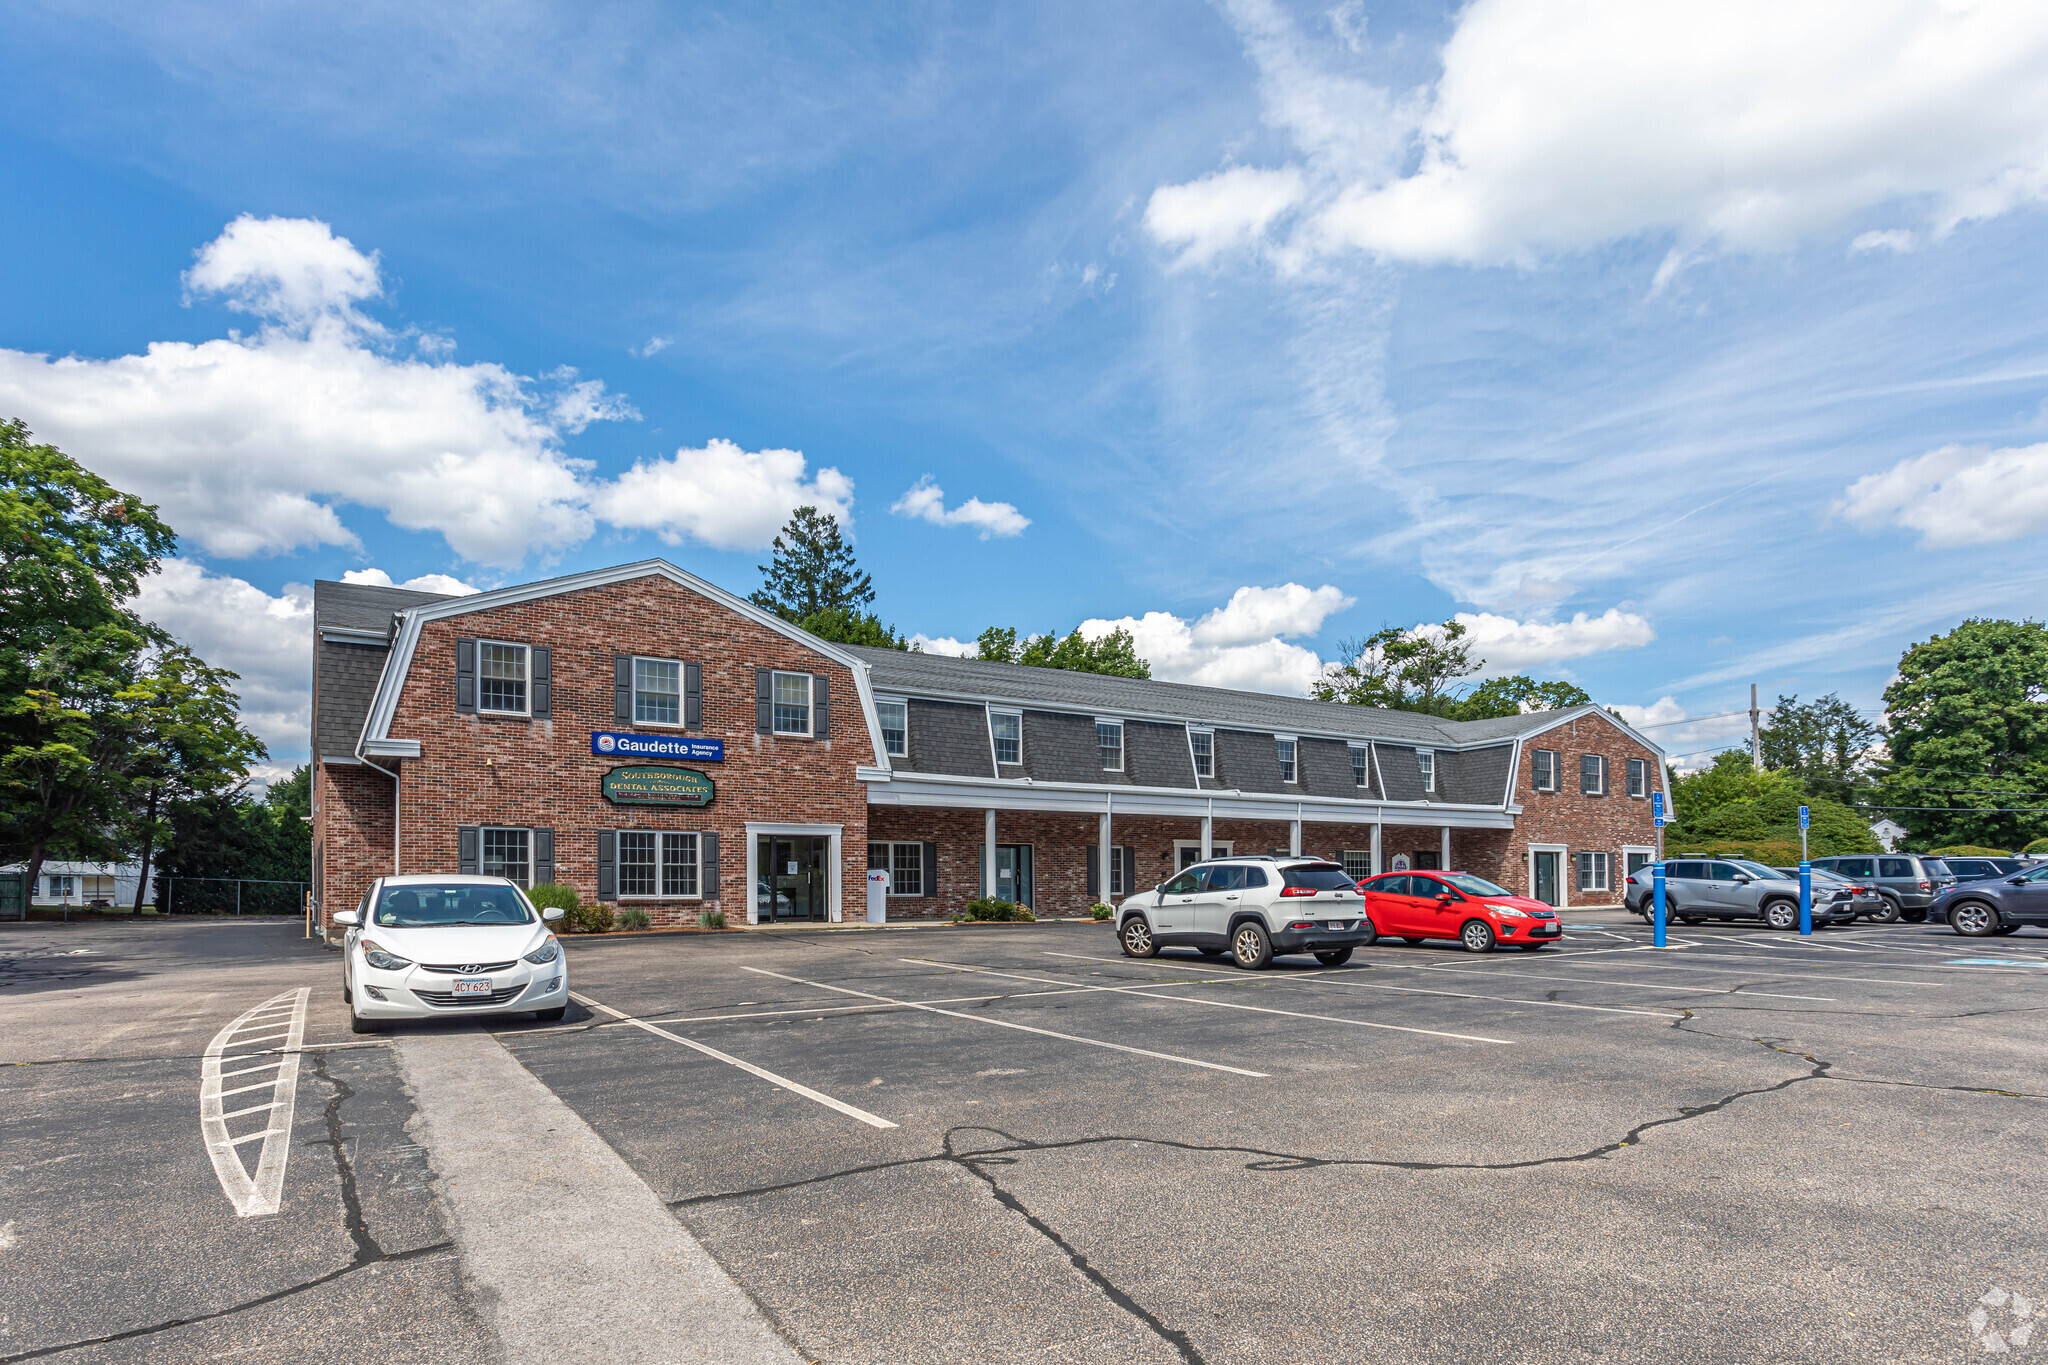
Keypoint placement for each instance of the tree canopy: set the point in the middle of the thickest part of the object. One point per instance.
(1733, 807)
(1825, 743)
(1115, 653)
(1419, 670)
(812, 570)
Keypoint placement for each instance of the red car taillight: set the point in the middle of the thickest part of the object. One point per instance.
(1297, 890)
(1927, 886)
(1304, 924)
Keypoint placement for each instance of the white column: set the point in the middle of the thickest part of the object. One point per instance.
(1105, 856)
(1377, 866)
(988, 853)
(1294, 837)
(1208, 837)
(1445, 860)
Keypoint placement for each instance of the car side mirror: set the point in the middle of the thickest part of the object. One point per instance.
(1445, 896)
(348, 918)
(1742, 879)
(551, 915)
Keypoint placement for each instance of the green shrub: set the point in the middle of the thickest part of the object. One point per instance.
(554, 896)
(711, 919)
(633, 917)
(2038, 846)
(1101, 911)
(1973, 851)
(590, 919)
(990, 908)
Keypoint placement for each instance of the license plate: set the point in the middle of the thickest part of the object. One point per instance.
(472, 985)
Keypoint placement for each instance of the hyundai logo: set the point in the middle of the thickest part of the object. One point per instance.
(473, 968)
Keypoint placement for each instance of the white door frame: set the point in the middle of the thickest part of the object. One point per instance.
(1218, 848)
(834, 865)
(1564, 859)
(1621, 882)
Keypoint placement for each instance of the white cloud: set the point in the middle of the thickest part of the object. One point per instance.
(1690, 743)
(250, 443)
(235, 625)
(926, 501)
(1241, 644)
(1221, 211)
(1561, 124)
(1895, 240)
(426, 582)
(1957, 495)
(944, 644)
(721, 495)
(1509, 646)
(654, 346)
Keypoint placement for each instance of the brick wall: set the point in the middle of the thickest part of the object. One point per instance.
(497, 770)
(352, 826)
(1592, 823)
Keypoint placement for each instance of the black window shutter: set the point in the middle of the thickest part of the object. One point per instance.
(467, 840)
(764, 701)
(543, 856)
(1130, 869)
(607, 865)
(1094, 872)
(622, 688)
(931, 869)
(465, 675)
(708, 856)
(821, 719)
(693, 696)
(543, 682)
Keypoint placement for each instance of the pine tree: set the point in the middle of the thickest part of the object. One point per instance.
(812, 571)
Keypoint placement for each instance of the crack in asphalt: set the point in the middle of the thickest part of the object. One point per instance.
(368, 1251)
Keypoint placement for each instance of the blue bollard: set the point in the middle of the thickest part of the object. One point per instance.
(1805, 897)
(1657, 898)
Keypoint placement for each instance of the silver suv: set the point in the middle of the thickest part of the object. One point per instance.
(1251, 908)
(1908, 882)
(1698, 889)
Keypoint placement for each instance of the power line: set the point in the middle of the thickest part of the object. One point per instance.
(1955, 810)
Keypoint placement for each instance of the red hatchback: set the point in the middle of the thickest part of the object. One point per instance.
(1419, 905)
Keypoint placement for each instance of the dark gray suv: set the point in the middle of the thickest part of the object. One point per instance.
(1907, 881)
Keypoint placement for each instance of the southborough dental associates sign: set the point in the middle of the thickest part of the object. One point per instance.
(619, 744)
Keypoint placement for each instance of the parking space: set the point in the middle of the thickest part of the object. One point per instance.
(938, 1144)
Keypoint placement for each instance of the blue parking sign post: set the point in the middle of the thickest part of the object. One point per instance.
(1805, 879)
(1657, 899)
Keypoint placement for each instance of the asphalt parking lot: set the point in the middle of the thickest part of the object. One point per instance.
(1009, 1143)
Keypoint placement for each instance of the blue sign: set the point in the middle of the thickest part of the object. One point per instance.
(617, 744)
(1802, 816)
(1657, 807)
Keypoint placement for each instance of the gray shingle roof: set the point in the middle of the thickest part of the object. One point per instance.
(359, 606)
(345, 674)
(895, 671)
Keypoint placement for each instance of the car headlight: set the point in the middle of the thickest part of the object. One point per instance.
(547, 952)
(383, 961)
(1508, 912)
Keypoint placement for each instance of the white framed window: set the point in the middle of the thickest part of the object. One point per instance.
(895, 718)
(657, 692)
(63, 888)
(1006, 729)
(657, 865)
(1357, 863)
(1639, 777)
(501, 678)
(1543, 769)
(1284, 747)
(1202, 744)
(904, 862)
(508, 853)
(1425, 759)
(1592, 775)
(1596, 871)
(1361, 765)
(1117, 855)
(792, 703)
(1109, 742)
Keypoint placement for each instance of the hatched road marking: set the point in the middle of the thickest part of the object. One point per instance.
(257, 1194)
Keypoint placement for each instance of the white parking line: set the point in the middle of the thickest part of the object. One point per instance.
(1146, 993)
(872, 1120)
(856, 1009)
(1021, 1028)
(258, 1194)
(1692, 964)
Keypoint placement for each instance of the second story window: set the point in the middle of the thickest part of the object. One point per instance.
(1543, 770)
(1109, 742)
(657, 692)
(1202, 743)
(1007, 727)
(1285, 748)
(1638, 777)
(895, 718)
(792, 703)
(1425, 759)
(1592, 775)
(501, 678)
(1361, 766)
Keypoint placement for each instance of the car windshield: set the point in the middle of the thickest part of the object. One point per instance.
(1936, 867)
(450, 903)
(1756, 869)
(1318, 877)
(1476, 886)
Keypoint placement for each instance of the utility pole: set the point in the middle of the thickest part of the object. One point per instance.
(1756, 744)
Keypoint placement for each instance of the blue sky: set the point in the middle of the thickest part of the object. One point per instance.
(1677, 352)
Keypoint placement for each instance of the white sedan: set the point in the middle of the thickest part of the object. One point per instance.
(423, 946)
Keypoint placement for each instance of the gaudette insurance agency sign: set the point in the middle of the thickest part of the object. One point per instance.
(618, 744)
(657, 787)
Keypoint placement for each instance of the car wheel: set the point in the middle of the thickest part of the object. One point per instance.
(550, 1016)
(1477, 936)
(1251, 947)
(1974, 918)
(1888, 913)
(1136, 938)
(358, 1024)
(1337, 957)
(1782, 914)
(1371, 932)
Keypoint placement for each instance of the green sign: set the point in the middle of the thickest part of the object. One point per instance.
(657, 787)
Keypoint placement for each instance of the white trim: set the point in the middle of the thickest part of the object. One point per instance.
(1218, 848)
(1564, 855)
(619, 863)
(395, 748)
(989, 714)
(1556, 761)
(1429, 783)
(681, 722)
(1580, 713)
(1351, 747)
(1606, 779)
(1627, 763)
(1293, 743)
(810, 730)
(1507, 798)
(904, 702)
(982, 793)
(1210, 731)
(349, 635)
(1122, 743)
(525, 677)
(1606, 890)
(833, 860)
(1648, 851)
(398, 662)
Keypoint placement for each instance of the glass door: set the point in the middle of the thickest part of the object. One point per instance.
(1547, 878)
(790, 877)
(1013, 873)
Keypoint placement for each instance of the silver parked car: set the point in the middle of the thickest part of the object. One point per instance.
(1865, 902)
(1907, 881)
(1697, 889)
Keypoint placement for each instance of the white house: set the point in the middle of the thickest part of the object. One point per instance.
(85, 884)
(1888, 833)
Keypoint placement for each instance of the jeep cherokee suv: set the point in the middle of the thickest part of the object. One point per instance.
(1251, 908)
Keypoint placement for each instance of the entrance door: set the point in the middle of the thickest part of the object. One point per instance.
(792, 883)
(1548, 880)
(1013, 873)
(1188, 852)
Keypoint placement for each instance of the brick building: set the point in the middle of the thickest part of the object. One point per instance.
(653, 740)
